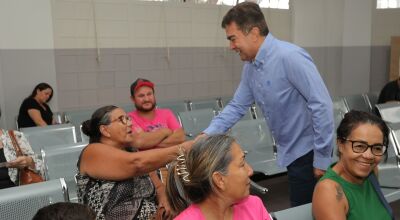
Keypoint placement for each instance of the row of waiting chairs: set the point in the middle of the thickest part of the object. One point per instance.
(389, 170)
(257, 141)
(193, 121)
(194, 115)
(216, 104)
(243, 131)
(60, 159)
(252, 134)
(21, 203)
(61, 162)
(360, 102)
(263, 159)
(58, 147)
(52, 135)
(255, 136)
(390, 112)
(76, 117)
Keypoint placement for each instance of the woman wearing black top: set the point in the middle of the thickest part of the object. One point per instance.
(34, 110)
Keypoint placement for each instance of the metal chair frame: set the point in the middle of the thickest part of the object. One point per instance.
(22, 202)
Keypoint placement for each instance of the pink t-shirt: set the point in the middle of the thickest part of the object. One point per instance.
(250, 208)
(164, 118)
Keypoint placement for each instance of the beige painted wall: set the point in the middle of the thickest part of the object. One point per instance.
(385, 23)
(318, 23)
(26, 56)
(131, 24)
(26, 24)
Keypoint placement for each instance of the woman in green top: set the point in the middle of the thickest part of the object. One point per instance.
(346, 190)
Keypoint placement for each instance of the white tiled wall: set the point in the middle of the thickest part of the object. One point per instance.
(179, 46)
(132, 23)
(187, 73)
(385, 23)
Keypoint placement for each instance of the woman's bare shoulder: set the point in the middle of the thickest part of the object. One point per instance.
(329, 200)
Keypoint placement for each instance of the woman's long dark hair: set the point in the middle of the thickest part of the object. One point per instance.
(42, 86)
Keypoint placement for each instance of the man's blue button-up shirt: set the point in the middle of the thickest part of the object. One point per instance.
(286, 85)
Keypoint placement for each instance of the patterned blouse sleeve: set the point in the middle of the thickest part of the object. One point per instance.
(27, 151)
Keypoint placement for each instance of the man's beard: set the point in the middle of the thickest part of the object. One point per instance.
(140, 109)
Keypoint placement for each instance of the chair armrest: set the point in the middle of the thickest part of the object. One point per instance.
(258, 188)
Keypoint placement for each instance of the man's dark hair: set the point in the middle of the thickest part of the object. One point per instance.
(65, 210)
(246, 15)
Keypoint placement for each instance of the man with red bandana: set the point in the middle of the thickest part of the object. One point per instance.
(161, 125)
(153, 127)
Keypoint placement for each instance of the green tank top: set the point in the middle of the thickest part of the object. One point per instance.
(363, 200)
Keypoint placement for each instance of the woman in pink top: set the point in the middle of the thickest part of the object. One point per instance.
(214, 178)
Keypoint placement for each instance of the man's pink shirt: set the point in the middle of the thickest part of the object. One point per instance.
(164, 118)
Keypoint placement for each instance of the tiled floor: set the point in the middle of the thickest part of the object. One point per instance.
(277, 197)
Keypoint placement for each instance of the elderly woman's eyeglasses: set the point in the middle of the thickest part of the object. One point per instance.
(123, 119)
(361, 147)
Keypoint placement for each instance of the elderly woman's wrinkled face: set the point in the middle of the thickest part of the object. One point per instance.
(119, 128)
(356, 163)
(237, 181)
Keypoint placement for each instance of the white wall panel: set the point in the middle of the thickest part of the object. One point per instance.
(357, 25)
(385, 23)
(318, 23)
(26, 24)
(127, 24)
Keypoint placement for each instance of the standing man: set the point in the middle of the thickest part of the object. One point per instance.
(153, 128)
(283, 80)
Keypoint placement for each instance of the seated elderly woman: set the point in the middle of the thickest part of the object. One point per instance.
(113, 180)
(349, 188)
(214, 178)
(10, 162)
